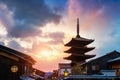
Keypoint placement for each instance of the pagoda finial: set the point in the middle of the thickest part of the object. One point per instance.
(77, 28)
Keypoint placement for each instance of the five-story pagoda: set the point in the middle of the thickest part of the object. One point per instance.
(78, 48)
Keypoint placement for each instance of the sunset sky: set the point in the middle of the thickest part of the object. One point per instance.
(40, 28)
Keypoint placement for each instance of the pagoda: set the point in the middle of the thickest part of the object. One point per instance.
(78, 48)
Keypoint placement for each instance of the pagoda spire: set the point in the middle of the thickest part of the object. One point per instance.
(78, 36)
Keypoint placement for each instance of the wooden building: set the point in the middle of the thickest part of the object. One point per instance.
(107, 62)
(79, 48)
(115, 65)
(14, 64)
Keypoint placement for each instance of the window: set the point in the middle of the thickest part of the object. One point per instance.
(95, 67)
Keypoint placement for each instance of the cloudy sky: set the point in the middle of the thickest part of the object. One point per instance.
(40, 28)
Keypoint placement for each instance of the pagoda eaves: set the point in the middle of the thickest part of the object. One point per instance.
(79, 42)
(79, 50)
(78, 58)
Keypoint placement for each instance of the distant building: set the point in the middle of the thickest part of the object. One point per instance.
(62, 68)
(53, 76)
(105, 63)
(37, 74)
(14, 64)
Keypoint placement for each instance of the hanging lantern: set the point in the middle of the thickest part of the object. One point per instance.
(14, 68)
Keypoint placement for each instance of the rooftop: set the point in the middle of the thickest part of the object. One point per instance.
(113, 60)
(80, 50)
(78, 57)
(104, 56)
(17, 53)
(79, 42)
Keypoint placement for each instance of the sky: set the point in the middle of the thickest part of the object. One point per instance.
(40, 28)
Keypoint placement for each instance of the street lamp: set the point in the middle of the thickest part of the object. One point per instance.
(66, 73)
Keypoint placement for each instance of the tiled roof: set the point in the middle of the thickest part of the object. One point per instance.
(17, 53)
(79, 57)
(80, 50)
(79, 42)
(116, 59)
(106, 55)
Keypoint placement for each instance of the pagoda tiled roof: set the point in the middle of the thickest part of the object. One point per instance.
(78, 57)
(79, 42)
(79, 50)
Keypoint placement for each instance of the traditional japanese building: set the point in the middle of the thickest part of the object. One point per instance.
(109, 61)
(79, 48)
(37, 74)
(14, 64)
(114, 64)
